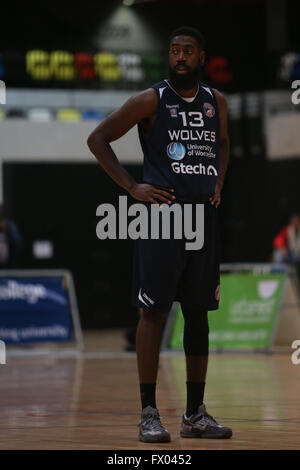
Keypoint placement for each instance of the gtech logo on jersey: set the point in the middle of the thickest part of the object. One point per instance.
(199, 169)
(176, 150)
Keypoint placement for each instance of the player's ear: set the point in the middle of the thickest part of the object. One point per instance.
(202, 57)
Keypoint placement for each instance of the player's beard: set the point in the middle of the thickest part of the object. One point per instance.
(185, 81)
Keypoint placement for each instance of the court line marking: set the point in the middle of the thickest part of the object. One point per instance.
(38, 427)
(162, 413)
(117, 354)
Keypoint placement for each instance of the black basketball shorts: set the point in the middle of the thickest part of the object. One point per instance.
(164, 270)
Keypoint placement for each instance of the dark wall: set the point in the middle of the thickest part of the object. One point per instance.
(58, 202)
(258, 198)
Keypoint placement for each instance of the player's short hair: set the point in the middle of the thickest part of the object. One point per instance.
(189, 31)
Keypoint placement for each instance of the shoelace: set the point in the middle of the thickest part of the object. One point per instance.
(154, 421)
(206, 417)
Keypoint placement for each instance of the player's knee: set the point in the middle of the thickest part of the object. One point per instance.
(153, 317)
(196, 333)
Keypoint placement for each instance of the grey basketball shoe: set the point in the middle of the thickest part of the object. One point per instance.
(151, 429)
(203, 425)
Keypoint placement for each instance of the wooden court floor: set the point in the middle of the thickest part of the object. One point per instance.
(93, 402)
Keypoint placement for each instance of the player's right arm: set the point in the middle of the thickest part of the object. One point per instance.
(140, 107)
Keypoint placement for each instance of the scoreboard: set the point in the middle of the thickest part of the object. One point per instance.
(40, 67)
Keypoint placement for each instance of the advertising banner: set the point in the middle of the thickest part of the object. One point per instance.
(34, 309)
(246, 319)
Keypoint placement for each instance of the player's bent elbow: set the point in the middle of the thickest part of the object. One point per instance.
(93, 141)
(96, 138)
(90, 140)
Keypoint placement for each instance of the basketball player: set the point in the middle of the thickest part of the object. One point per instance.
(183, 134)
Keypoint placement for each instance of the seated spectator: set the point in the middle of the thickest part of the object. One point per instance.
(287, 242)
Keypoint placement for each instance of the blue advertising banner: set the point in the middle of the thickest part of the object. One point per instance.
(34, 309)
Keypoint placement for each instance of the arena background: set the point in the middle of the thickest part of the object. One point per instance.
(67, 66)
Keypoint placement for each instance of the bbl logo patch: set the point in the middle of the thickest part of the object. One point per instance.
(173, 110)
(176, 150)
(209, 110)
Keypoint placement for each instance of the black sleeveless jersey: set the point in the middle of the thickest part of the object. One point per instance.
(181, 151)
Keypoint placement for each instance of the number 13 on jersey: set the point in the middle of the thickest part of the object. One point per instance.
(195, 121)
